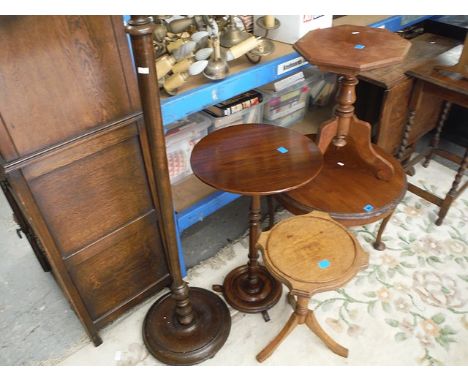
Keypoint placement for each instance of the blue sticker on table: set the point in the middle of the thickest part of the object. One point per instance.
(359, 46)
(368, 207)
(282, 149)
(323, 264)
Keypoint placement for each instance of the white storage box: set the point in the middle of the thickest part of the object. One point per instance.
(288, 105)
(293, 27)
(181, 137)
(252, 114)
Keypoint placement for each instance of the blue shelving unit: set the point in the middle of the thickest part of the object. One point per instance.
(177, 107)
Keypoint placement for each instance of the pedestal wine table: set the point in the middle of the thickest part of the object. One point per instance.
(254, 160)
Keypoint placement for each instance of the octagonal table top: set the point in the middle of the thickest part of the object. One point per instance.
(351, 49)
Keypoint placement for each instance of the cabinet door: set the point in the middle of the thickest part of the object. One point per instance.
(77, 158)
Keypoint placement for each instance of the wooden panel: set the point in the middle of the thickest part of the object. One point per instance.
(358, 19)
(438, 78)
(93, 196)
(75, 151)
(60, 76)
(118, 268)
(27, 203)
(426, 117)
(423, 48)
(68, 152)
(393, 115)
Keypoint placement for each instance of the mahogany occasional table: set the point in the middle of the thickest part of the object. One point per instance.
(254, 160)
(359, 183)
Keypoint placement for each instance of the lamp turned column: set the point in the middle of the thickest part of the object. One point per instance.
(187, 325)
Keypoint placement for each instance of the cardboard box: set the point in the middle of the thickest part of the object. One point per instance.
(293, 27)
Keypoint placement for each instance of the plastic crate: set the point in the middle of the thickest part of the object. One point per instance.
(252, 114)
(181, 137)
(322, 92)
(288, 106)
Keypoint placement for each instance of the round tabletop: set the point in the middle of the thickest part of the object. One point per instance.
(311, 249)
(348, 189)
(256, 159)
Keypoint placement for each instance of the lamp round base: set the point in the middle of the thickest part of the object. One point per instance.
(175, 344)
(243, 297)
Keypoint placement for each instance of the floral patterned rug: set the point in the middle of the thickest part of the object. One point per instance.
(409, 307)
(417, 289)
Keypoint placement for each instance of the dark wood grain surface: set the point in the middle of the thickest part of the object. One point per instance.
(450, 81)
(245, 159)
(351, 48)
(423, 48)
(69, 68)
(76, 155)
(346, 185)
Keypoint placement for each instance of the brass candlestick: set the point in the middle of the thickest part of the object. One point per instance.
(265, 46)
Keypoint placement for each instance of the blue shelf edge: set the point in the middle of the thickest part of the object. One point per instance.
(191, 101)
(203, 208)
(208, 94)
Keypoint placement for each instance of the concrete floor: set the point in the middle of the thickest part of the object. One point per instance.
(37, 324)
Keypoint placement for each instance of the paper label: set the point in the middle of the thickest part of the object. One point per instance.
(290, 65)
(143, 70)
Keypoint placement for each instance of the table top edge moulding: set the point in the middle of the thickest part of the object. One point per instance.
(351, 48)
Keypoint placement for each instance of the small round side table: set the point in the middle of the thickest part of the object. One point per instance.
(254, 160)
(310, 254)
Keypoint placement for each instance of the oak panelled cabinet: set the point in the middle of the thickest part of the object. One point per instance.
(75, 161)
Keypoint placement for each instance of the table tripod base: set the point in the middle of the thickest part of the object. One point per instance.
(175, 344)
(240, 296)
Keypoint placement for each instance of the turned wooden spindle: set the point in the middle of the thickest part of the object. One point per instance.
(454, 190)
(406, 132)
(345, 109)
(254, 230)
(436, 138)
